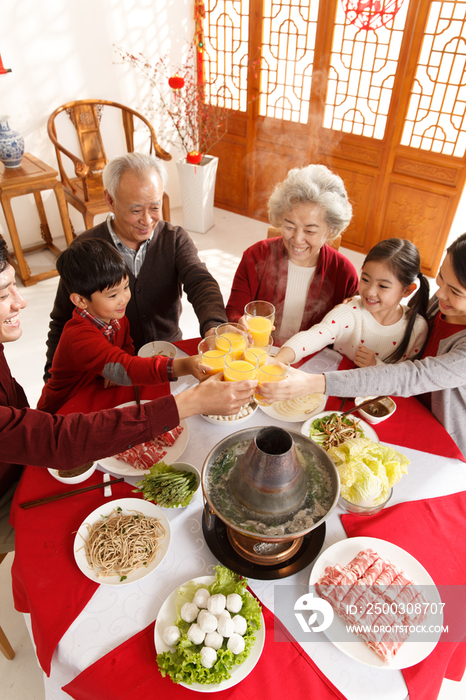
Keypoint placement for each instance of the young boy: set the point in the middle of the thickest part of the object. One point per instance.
(96, 341)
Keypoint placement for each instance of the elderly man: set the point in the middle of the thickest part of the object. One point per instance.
(162, 259)
(33, 437)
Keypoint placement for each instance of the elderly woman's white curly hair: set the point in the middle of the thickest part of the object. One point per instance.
(313, 184)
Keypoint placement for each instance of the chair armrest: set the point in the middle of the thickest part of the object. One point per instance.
(80, 168)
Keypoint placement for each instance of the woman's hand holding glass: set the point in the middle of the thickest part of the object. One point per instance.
(272, 371)
(297, 383)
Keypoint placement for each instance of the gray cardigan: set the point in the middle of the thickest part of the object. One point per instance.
(444, 376)
(171, 264)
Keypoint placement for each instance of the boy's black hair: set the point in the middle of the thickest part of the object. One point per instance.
(90, 266)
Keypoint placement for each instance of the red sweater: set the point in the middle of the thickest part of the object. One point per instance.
(263, 274)
(65, 442)
(84, 354)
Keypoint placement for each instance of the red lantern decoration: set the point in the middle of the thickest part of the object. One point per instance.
(176, 82)
(194, 157)
(370, 14)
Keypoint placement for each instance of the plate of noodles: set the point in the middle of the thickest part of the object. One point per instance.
(122, 541)
(296, 410)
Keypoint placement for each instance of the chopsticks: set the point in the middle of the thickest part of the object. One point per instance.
(59, 496)
(137, 396)
(364, 403)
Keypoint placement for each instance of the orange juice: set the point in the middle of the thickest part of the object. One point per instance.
(251, 354)
(237, 370)
(215, 360)
(260, 329)
(238, 343)
(272, 373)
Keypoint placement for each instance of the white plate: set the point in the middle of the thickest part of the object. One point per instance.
(167, 616)
(368, 431)
(158, 347)
(229, 420)
(118, 466)
(271, 411)
(342, 553)
(128, 506)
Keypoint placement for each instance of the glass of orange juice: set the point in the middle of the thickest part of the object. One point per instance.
(272, 370)
(260, 352)
(259, 316)
(235, 370)
(211, 355)
(235, 335)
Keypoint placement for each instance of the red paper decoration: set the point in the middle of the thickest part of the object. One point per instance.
(194, 157)
(370, 14)
(176, 82)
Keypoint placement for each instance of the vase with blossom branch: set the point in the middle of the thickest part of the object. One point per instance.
(178, 106)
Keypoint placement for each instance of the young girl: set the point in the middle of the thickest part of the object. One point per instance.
(374, 327)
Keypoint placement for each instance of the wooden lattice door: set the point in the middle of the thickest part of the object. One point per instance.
(385, 109)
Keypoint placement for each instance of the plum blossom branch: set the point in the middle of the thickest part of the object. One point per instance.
(178, 103)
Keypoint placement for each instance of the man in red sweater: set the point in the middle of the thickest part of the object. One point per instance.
(33, 437)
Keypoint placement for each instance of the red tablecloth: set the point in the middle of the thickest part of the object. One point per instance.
(130, 672)
(58, 592)
(431, 530)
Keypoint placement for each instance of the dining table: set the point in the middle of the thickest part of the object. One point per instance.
(96, 642)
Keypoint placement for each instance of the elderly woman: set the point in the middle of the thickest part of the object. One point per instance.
(302, 276)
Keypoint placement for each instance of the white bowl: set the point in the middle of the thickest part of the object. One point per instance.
(363, 510)
(186, 467)
(157, 347)
(73, 479)
(388, 402)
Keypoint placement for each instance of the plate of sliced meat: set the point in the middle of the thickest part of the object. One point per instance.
(387, 610)
(167, 447)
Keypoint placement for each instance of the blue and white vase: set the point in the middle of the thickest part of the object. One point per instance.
(11, 145)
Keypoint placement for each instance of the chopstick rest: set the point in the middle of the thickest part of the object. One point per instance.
(108, 488)
(59, 496)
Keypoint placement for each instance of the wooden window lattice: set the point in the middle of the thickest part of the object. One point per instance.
(362, 73)
(225, 56)
(289, 33)
(436, 119)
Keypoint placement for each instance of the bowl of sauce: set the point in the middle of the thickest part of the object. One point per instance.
(75, 475)
(378, 411)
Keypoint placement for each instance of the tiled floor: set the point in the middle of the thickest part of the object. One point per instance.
(220, 248)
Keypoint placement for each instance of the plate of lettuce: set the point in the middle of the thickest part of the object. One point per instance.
(182, 661)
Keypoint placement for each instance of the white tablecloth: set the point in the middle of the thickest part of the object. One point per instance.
(112, 616)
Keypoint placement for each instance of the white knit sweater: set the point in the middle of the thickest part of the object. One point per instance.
(350, 325)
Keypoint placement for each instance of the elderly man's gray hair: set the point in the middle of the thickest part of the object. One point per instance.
(138, 163)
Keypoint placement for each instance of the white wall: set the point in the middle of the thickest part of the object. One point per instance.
(62, 50)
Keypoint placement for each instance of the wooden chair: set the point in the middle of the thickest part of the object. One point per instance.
(85, 192)
(273, 232)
